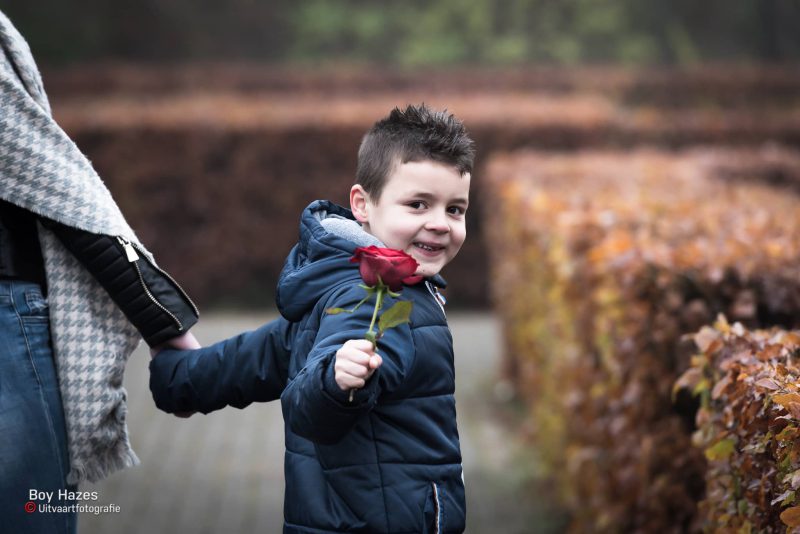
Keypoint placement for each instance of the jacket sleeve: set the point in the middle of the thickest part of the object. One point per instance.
(151, 300)
(247, 368)
(314, 406)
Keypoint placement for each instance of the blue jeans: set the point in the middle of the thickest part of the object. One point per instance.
(33, 438)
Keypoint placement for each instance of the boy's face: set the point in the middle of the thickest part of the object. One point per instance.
(421, 211)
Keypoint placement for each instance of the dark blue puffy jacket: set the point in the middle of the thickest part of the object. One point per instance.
(387, 462)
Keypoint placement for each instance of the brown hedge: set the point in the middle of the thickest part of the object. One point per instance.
(748, 427)
(507, 120)
(601, 263)
(167, 156)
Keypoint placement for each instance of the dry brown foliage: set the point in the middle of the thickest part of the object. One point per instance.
(601, 263)
(748, 427)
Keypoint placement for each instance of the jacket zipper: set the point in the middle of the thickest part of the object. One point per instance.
(437, 507)
(168, 277)
(132, 256)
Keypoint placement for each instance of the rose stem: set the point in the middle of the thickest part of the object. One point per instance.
(378, 299)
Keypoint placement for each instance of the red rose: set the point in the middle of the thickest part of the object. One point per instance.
(394, 267)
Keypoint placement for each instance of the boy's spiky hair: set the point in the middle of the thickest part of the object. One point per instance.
(414, 134)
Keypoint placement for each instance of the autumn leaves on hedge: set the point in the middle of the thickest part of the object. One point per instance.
(748, 426)
(604, 261)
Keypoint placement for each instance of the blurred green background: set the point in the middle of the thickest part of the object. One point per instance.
(412, 32)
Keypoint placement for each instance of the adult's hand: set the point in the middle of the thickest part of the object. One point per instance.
(185, 341)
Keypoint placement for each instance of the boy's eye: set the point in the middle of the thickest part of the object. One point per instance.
(416, 204)
(456, 210)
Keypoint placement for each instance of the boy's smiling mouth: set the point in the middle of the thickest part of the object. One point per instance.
(429, 249)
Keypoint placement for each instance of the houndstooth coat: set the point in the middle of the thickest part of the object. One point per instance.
(43, 171)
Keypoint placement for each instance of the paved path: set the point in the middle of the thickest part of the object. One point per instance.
(223, 472)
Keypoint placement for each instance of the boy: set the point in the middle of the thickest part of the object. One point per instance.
(387, 458)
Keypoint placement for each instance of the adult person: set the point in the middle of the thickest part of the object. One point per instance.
(77, 289)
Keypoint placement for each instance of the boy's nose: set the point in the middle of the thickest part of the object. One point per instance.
(438, 223)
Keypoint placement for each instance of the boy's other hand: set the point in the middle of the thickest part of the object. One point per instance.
(355, 363)
(185, 341)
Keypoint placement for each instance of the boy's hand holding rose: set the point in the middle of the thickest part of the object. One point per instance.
(355, 363)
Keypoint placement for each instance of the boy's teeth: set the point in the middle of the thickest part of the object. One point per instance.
(425, 247)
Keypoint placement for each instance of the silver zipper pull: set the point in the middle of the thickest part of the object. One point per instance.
(130, 252)
(440, 297)
(434, 291)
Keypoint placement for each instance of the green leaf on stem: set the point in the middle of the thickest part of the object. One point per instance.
(334, 311)
(396, 315)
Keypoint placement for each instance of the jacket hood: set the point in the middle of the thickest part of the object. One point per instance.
(329, 235)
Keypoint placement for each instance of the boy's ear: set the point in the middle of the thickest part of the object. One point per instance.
(359, 199)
